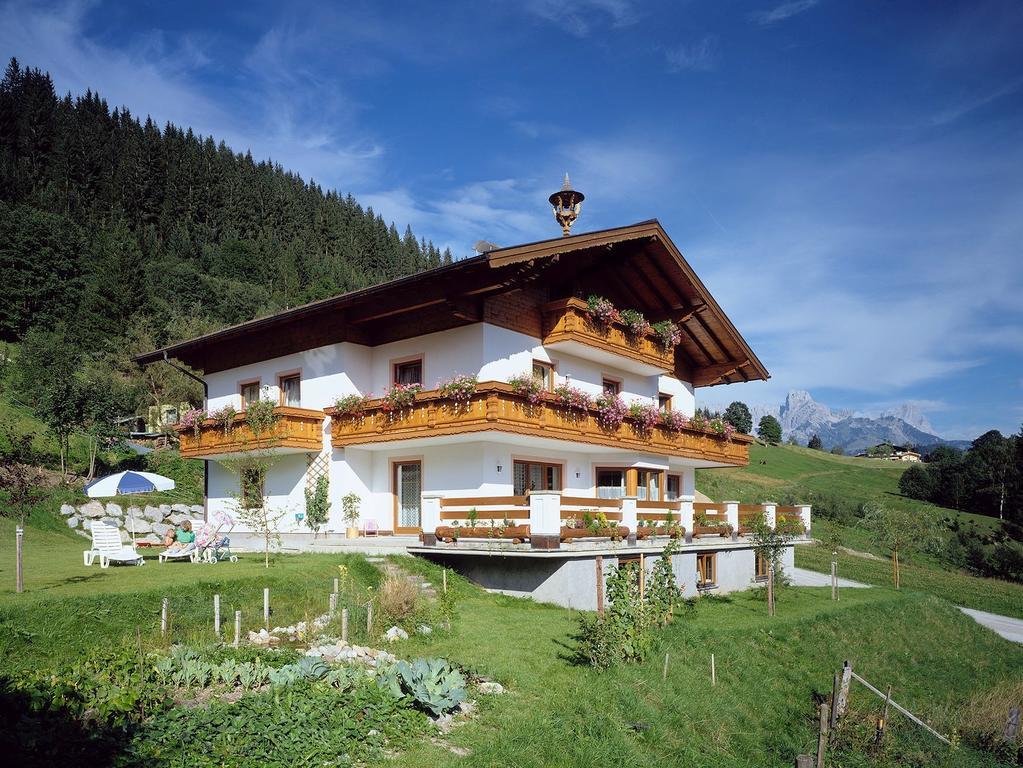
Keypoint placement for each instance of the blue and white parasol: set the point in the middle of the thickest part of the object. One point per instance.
(127, 482)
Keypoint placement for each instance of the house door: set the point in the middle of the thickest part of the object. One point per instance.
(408, 497)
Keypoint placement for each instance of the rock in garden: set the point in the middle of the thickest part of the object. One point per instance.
(92, 509)
(160, 529)
(396, 633)
(67, 510)
(141, 525)
(151, 538)
(111, 521)
(86, 525)
(490, 687)
(154, 514)
(178, 518)
(181, 508)
(422, 629)
(133, 512)
(114, 510)
(73, 521)
(165, 510)
(198, 509)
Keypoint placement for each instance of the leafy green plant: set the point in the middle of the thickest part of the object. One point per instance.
(224, 417)
(433, 684)
(317, 504)
(472, 516)
(350, 405)
(260, 417)
(350, 508)
(623, 633)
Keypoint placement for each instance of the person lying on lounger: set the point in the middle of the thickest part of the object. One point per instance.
(181, 539)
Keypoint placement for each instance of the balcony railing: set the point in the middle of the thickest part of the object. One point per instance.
(295, 430)
(567, 322)
(496, 407)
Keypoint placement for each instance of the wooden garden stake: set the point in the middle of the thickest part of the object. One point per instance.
(19, 575)
(834, 579)
(822, 737)
(163, 617)
(713, 671)
(882, 722)
(344, 625)
(237, 628)
(804, 761)
(336, 590)
(216, 615)
(333, 603)
(600, 584)
(266, 608)
(444, 576)
(770, 589)
(834, 709)
(664, 672)
(369, 618)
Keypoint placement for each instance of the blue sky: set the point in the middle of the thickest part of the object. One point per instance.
(846, 177)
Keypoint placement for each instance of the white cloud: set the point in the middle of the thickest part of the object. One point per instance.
(782, 12)
(701, 56)
(580, 17)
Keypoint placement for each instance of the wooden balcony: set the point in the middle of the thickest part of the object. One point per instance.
(297, 430)
(495, 407)
(567, 325)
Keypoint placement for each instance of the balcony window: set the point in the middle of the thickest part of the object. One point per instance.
(535, 476)
(291, 391)
(610, 483)
(249, 393)
(544, 372)
(612, 386)
(664, 402)
(410, 372)
(706, 570)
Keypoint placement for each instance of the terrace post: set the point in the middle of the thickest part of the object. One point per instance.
(545, 519)
(770, 514)
(630, 517)
(804, 514)
(431, 518)
(732, 516)
(688, 517)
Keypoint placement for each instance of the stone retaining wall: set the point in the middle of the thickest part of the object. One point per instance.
(151, 523)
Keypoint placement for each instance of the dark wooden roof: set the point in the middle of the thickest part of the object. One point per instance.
(635, 266)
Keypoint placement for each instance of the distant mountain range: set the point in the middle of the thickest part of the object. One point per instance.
(802, 417)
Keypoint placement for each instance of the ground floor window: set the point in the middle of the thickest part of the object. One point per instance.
(535, 476)
(648, 485)
(252, 485)
(610, 483)
(673, 489)
(706, 569)
(761, 567)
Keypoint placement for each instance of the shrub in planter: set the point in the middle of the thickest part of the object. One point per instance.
(611, 411)
(350, 405)
(194, 418)
(459, 388)
(723, 428)
(698, 422)
(572, 398)
(645, 415)
(674, 421)
(400, 397)
(669, 335)
(260, 417)
(224, 417)
(602, 312)
(635, 324)
(528, 386)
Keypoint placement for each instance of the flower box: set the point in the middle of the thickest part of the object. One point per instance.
(649, 531)
(616, 533)
(724, 531)
(516, 533)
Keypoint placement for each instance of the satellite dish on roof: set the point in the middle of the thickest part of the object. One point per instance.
(485, 246)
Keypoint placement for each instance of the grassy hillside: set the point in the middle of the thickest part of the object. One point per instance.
(761, 713)
(786, 473)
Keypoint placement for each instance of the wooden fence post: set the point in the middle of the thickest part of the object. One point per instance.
(804, 761)
(369, 618)
(834, 705)
(713, 671)
(344, 625)
(163, 617)
(216, 615)
(822, 736)
(237, 628)
(600, 584)
(664, 672)
(336, 590)
(843, 691)
(834, 578)
(266, 608)
(1011, 732)
(333, 604)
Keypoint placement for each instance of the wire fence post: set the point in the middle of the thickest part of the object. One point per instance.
(266, 608)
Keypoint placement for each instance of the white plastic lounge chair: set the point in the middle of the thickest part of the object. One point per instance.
(190, 551)
(107, 546)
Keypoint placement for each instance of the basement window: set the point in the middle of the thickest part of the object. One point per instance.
(706, 570)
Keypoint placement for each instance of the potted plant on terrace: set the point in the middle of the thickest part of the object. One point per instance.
(194, 418)
(588, 527)
(636, 326)
(705, 526)
(400, 398)
(350, 406)
(350, 514)
(459, 389)
(669, 335)
(528, 386)
(474, 530)
(649, 528)
(602, 312)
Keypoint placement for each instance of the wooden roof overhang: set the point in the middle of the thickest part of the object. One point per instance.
(635, 266)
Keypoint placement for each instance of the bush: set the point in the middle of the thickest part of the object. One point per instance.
(916, 482)
(624, 633)
(398, 598)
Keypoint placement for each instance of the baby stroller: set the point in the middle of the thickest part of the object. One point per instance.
(212, 541)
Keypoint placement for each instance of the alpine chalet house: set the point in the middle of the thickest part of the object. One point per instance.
(522, 415)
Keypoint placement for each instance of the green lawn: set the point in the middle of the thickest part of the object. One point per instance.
(761, 713)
